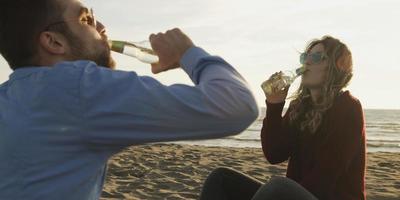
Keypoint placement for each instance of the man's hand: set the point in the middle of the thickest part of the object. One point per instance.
(169, 47)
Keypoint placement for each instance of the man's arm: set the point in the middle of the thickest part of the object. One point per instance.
(124, 109)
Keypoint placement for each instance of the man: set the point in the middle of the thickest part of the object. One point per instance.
(62, 115)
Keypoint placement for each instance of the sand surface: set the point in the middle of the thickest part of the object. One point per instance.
(168, 171)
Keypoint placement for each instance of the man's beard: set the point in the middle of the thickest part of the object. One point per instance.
(101, 56)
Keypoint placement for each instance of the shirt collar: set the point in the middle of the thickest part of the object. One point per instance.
(23, 72)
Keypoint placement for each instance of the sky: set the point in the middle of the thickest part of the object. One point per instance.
(260, 37)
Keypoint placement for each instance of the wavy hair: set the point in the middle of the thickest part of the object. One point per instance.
(308, 115)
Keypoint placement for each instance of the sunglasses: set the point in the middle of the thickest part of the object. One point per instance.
(89, 20)
(315, 58)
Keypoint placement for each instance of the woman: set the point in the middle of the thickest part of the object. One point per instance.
(322, 135)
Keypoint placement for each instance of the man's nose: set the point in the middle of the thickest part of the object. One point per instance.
(100, 28)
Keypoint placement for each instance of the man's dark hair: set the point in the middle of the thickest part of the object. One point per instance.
(21, 22)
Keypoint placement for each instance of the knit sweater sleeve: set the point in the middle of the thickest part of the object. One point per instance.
(276, 138)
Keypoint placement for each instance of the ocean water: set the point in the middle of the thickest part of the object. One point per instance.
(382, 129)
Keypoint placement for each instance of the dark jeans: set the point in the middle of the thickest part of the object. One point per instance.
(228, 184)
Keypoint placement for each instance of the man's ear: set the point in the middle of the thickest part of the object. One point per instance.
(53, 43)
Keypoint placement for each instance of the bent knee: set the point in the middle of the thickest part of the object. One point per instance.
(221, 171)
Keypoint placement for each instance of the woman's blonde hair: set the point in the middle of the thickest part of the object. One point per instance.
(308, 115)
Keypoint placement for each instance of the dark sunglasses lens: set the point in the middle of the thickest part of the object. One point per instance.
(303, 57)
(316, 58)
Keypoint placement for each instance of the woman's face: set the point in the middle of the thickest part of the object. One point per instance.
(316, 64)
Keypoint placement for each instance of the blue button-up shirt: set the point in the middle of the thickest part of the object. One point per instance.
(59, 125)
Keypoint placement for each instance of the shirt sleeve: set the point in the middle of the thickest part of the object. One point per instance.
(276, 136)
(335, 155)
(121, 108)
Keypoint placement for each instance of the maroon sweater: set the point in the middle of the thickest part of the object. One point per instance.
(331, 163)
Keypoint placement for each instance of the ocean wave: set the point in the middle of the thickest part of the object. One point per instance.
(394, 145)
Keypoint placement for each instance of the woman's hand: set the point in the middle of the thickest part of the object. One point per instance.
(277, 94)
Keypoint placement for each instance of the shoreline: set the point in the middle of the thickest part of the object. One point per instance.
(175, 171)
(232, 143)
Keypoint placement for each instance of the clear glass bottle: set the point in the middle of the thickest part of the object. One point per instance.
(140, 50)
(281, 81)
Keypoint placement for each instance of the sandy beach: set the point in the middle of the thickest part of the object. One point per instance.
(170, 171)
